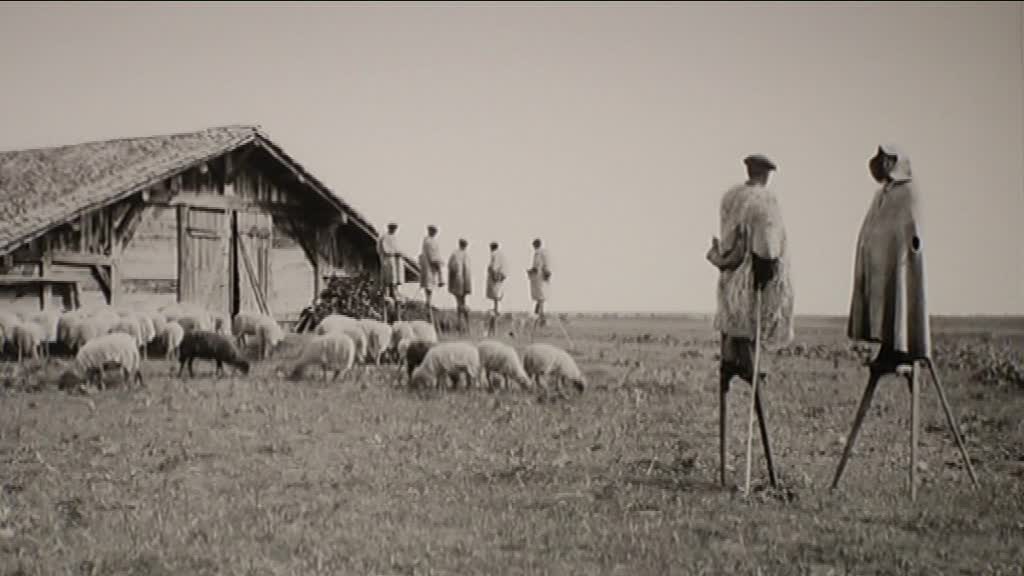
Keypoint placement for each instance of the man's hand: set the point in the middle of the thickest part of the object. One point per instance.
(764, 270)
(712, 254)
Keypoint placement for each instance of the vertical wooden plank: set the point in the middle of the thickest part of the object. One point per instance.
(114, 244)
(182, 251)
(229, 187)
(914, 417)
(45, 291)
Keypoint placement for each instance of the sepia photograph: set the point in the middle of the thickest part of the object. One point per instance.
(525, 288)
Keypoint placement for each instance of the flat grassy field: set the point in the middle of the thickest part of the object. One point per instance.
(257, 475)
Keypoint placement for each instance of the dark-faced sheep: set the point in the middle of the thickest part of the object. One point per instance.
(209, 345)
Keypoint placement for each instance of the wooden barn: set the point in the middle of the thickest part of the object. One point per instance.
(222, 217)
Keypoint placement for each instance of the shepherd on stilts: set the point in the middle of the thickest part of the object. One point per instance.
(889, 299)
(391, 272)
(431, 269)
(755, 296)
(496, 274)
(460, 283)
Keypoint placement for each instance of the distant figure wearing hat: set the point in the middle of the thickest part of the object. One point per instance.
(431, 267)
(888, 304)
(391, 269)
(460, 282)
(751, 255)
(497, 270)
(540, 279)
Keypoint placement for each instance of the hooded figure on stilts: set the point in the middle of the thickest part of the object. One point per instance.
(754, 291)
(889, 297)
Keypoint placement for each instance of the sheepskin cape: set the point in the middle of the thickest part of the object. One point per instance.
(431, 263)
(751, 219)
(889, 304)
(540, 284)
(391, 269)
(497, 271)
(460, 281)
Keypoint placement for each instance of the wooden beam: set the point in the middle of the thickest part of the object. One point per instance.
(213, 201)
(125, 230)
(76, 259)
(182, 248)
(114, 271)
(103, 278)
(14, 279)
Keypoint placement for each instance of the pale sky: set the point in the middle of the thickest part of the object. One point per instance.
(609, 130)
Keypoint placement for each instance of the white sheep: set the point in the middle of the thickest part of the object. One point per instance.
(333, 322)
(378, 339)
(48, 320)
(243, 325)
(345, 325)
(27, 337)
(423, 330)
(270, 335)
(446, 361)
(83, 330)
(333, 351)
(498, 357)
(128, 325)
(158, 321)
(401, 330)
(116, 349)
(546, 361)
(172, 336)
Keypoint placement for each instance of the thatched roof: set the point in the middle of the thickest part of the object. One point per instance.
(45, 187)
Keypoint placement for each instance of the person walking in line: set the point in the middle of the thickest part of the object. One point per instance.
(496, 273)
(431, 268)
(391, 269)
(460, 283)
(540, 279)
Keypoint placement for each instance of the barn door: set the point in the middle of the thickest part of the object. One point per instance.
(204, 242)
(254, 233)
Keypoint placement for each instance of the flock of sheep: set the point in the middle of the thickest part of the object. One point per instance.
(104, 337)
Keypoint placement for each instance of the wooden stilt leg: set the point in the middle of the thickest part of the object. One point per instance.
(753, 392)
(764, 437)
(952, 422)
(914, 417)
(723, 423)
(865, 403)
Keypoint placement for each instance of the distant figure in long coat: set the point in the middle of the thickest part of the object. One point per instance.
(391, 269)
(431, 267)
(497, 270)
(540, 279)
(888, 305)
(751, 255)
(460, 281)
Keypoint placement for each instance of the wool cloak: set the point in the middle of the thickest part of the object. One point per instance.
(497, 270)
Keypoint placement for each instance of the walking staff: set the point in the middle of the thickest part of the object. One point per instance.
(755, 295)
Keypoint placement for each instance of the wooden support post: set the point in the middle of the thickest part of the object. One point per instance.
(227, 175)
(46, 290)
(182, 247)
(115, 258)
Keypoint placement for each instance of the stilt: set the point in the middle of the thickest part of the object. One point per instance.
(723, 422)
(753, 392)
(865, 404)
(914, 417)
(952, 422)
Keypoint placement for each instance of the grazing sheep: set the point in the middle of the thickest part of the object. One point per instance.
(270, 335)
(334, 351)
(244, 324)
(158, 322)
(333, 322)
(115, 349)
(378, 339)
(447, 360)
(498, 357)
(82, 330)
(348, 326)
(221, 323)
(209, 345)
(64, 324)
(401, 330)
(27, 337)
(423, 330)
(128, 325)
(544, 360)
(192, 322)
(413, 352)
(172, 336)
(48, 320)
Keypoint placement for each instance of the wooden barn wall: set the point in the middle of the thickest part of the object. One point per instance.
(149, 263)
